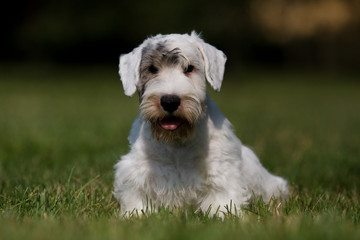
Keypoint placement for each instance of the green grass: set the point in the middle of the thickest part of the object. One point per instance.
(61, 132)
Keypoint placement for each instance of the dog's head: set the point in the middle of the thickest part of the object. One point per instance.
(170, 72)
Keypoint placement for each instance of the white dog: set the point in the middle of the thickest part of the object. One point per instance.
(183, 150)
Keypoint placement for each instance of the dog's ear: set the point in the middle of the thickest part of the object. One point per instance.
(214, 61)
(129, 68)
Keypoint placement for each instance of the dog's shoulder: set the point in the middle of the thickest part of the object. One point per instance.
(218, 123)
(138, 131)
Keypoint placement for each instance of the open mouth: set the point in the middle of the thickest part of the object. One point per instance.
(170, 123)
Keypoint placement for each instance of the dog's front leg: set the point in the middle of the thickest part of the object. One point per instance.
(222, 203)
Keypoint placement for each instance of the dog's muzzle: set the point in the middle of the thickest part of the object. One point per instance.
(170, 103)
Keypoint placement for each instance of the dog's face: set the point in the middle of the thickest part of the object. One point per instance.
(170, 73)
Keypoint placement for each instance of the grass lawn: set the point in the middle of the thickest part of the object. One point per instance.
(62, 130)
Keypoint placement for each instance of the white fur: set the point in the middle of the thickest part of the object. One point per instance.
(211, 168)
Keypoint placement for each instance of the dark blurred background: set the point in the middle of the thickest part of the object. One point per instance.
(304, 34)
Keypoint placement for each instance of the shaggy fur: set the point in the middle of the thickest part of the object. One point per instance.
(184, 151)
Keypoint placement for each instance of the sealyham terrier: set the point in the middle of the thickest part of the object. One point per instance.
(183, 150)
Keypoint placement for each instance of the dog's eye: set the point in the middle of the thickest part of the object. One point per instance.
(189, 69)
(153, 69)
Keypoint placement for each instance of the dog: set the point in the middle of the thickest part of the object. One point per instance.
(183, 150)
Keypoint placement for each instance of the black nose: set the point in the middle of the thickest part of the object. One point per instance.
(170, 103)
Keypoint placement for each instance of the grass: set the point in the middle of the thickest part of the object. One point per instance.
(61, 132)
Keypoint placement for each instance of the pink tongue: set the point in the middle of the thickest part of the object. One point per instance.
(170, 123)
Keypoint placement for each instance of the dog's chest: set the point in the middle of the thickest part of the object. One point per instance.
(176, 176)
(177, 166)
